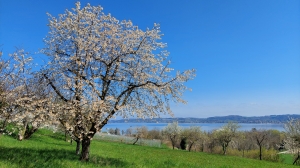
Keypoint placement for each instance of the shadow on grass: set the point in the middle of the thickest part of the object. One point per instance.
(26, 157)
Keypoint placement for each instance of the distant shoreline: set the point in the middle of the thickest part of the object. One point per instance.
(270, 119)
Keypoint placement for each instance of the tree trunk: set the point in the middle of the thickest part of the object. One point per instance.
(29, 131)
(295, 161)
(224, 149)
(260, 151)
(190, 146)
(22, 131)
(173, 142)
(243, 152)
(136, 141)
(85, 149)
(77, 147)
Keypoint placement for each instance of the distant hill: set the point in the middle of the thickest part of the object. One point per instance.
(220, 119)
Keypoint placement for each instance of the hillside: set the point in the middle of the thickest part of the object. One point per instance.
(220, 119)
(46, 149)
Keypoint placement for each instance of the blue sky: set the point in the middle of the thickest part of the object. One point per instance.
(246, 53)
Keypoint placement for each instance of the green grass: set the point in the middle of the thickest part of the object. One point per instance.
(46, 149)
(287, 158)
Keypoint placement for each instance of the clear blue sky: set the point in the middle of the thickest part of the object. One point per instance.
(247, 53)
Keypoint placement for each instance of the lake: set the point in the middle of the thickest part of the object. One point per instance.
(204, 126)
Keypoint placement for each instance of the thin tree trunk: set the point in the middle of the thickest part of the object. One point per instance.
(260, 151)
(77, 146)
(173, 142)
(224, 149)
(190, 147)
(136, 141)
(85, 150)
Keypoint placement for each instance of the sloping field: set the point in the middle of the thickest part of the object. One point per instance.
(47, 149)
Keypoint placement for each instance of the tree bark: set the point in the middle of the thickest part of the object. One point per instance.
(224, 148)
(260, 152)
(190, 146)
(295, 161)
(85, 149)
(29, 131)
(77, 147)
(173, 142)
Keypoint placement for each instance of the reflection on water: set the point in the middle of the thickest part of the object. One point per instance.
(204, 126)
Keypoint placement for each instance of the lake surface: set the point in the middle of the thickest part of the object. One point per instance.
(204, 126)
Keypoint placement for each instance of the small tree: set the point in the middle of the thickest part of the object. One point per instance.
(244, 141)
(154, 134)
(192, 135)
(117, 131)
(172, 131)
(260, 137)
(101, 67)
(225, 135)
(129, 131)
(140, 132)
(111, 131)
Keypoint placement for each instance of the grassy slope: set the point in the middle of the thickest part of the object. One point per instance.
(46, 149)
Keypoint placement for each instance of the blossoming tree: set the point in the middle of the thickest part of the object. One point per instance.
(25, 99)
(102, 67)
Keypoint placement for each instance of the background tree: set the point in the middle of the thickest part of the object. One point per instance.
(244, 141)
(117, 131)
(172, 132)
(102, 67)
(260, 137)
(140, 132)
(225, 134)
(154, 134)
(129, 131)
(111, 131)
(192, 135)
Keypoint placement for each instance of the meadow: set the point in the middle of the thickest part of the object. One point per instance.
(48, 149)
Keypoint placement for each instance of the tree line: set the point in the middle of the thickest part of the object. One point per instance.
(228, 140)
